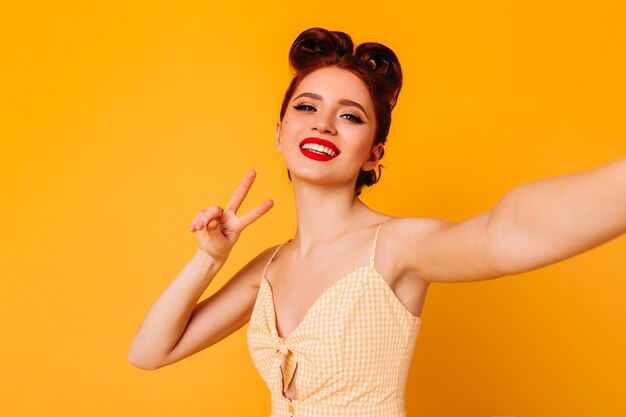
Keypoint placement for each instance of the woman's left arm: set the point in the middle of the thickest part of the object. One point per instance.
(545, 221)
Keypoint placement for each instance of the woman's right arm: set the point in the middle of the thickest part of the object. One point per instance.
(166, 320)
(176, 326)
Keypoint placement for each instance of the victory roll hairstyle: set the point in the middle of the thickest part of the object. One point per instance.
(374, 63)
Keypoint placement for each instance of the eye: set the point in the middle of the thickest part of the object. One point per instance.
(353, 117)
(304, 107)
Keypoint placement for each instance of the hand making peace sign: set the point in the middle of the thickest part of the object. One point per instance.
(218, 229)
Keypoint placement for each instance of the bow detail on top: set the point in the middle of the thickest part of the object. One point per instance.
(283, 350)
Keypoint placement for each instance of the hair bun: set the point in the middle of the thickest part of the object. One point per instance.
(323, 44)
(384, 62)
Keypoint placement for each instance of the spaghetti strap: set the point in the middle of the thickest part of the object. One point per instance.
(274, 255)
(374, 243)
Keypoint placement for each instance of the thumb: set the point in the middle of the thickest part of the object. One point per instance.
(213, 224)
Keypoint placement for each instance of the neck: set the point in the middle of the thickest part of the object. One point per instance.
(324, 212)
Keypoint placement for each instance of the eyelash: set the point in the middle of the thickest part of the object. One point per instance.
(354, 118)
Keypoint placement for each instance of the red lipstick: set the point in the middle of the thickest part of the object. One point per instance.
(319, 155)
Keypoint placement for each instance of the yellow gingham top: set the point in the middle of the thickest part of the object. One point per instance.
(353, 349)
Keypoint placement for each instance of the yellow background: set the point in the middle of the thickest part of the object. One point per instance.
(121, 121)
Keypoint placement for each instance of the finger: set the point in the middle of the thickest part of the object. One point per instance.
(242, 191)
(209, 215)
(196, 221)
(255, 213)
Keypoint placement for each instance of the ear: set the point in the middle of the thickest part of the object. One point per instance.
(278, 144)
(373, 157)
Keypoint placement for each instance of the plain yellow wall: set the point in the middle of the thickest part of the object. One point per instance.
(120, 121)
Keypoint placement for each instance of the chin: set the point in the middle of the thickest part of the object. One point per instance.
(320, 177)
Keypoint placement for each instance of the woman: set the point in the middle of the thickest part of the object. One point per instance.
(334, 312)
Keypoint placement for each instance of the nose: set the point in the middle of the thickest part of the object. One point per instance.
(324, 123)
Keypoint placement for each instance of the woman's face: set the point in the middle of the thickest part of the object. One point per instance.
(332, 106)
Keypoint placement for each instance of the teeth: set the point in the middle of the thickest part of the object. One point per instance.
(319, 148)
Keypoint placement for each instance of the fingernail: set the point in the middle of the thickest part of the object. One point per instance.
(256, 170)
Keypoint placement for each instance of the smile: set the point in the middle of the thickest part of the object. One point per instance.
(318, 149)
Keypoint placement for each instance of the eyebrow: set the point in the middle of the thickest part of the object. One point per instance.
(343, 101)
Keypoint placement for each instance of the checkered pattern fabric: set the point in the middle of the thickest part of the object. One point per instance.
(353, 349)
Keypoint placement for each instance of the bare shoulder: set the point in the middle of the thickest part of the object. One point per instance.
(414, 227)
(408, 231)
(244, 285)
(443, 251)
(251, 272)
(405, 235)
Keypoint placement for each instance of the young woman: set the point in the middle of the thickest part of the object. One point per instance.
(334, 312)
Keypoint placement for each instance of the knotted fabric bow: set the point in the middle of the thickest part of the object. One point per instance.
(283, 350)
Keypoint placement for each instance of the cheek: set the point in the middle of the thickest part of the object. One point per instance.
(293, 125)
(365, 140)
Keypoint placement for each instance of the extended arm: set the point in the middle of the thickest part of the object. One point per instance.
(533, 225)
(548, 220)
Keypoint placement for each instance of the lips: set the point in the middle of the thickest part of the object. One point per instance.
(310, 153)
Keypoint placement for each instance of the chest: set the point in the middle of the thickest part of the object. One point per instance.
(294, 292)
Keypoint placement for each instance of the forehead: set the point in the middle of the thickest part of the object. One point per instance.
(335, 83)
